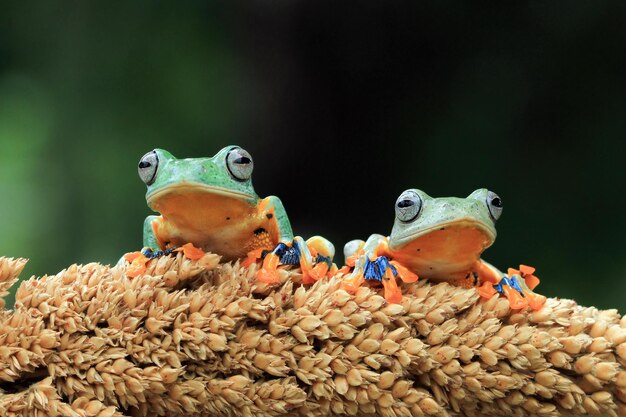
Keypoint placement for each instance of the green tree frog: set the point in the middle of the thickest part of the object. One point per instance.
(441, 239)
(211, 204)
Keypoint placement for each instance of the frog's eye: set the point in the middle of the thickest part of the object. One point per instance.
(239, 163)
(148, 167)
(494, 203)
(408, 206)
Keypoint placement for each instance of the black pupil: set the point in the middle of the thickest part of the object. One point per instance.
(496, 202)
(405, 203)
(144, 164)
(242, 160)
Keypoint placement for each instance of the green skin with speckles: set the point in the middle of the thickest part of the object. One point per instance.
(202, 203)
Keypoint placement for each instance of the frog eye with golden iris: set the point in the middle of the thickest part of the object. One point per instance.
(148, 165)
(408, 206)
(239, 164)
(494, 203)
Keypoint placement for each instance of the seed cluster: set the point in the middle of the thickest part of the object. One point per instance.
(202, 338)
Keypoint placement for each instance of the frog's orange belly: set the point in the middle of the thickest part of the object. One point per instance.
(443, 255)
(227, 226)
(229, 242)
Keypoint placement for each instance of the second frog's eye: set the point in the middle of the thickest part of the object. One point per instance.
(147, 168)
(239, 163)
(494, 203)
(408, 206)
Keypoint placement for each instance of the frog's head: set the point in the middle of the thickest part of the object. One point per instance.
(172, 181)
(446, 234)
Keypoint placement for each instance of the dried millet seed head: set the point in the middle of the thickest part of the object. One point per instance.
(203, 338)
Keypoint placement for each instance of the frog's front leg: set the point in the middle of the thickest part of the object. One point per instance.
(272, 208)
(360, 255)
(314, 256)
(152, 245)
(351, 252)
(372, 263)
(517, 285)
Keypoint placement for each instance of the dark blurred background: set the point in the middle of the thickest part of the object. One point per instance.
(343, 105)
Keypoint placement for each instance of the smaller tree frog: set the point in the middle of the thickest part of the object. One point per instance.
(440, 239)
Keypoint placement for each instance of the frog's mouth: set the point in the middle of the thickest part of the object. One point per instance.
(456, 233)
(443, 251)
(191, 188)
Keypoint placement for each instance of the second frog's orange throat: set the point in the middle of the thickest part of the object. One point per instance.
(445, 252)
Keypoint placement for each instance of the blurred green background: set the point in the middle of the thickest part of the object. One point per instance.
(342, 106)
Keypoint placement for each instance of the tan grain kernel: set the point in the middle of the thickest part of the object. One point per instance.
(387, 379)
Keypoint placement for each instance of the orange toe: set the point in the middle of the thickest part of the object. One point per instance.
(531, 281)
(191, 252)
(527, 273)
(512, 271)
(247, 262)
(315, 274)
(516, 300)
(269, 271)
(268, 276)
(253, 256)
(131, 256)
(352, 284)
(526, 270)
(137, 266)
(344, 269)
(405, 274)
(393, 294)
(486, 290)
(308, 279)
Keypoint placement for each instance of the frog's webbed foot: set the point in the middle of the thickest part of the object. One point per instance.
(253, 256)
(517, 287)
(355, 279)
(383, 271)
(137, 265)
(380, 270)
(386, 272)
(190, 251)
(268, 273)
(528, 282)
(139, 260)
(393, 294)
(316, 258)
(153, 254)
(313, 256)
(364, 269)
